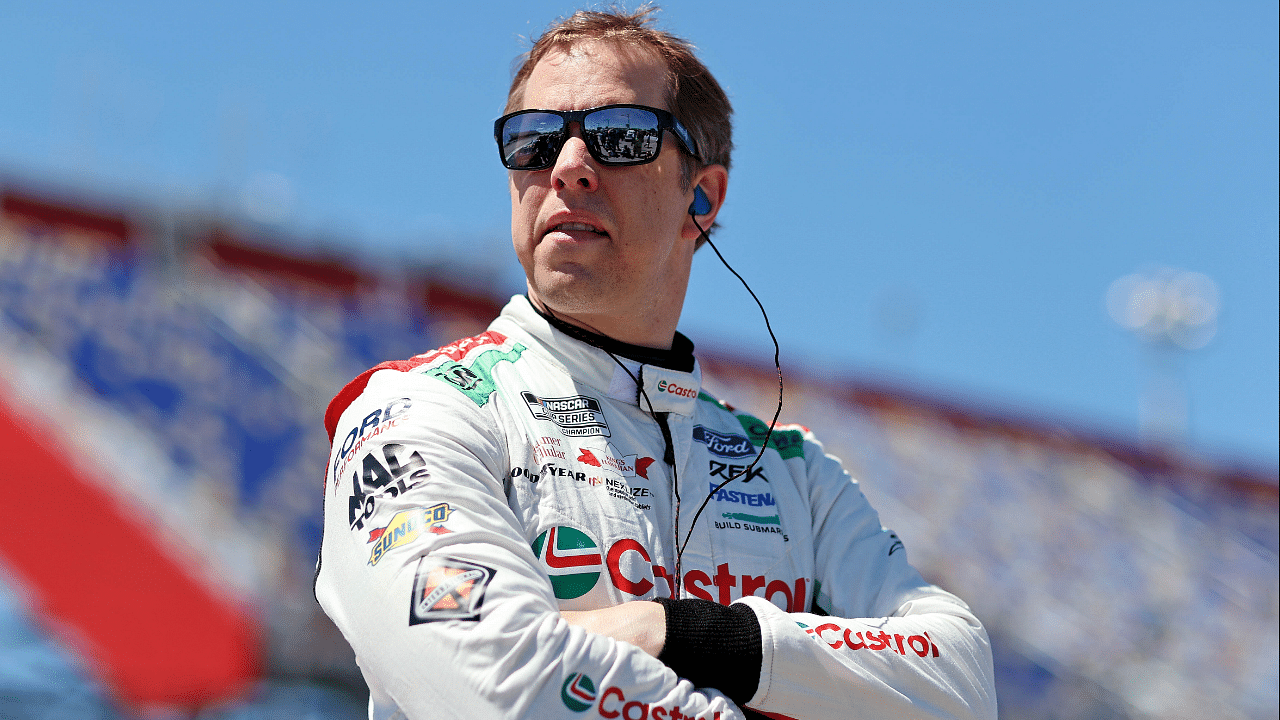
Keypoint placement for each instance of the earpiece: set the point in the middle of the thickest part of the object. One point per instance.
(701, 203)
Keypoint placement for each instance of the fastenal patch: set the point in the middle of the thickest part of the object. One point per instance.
(448, 589)
(578, 692)
(576, 415)
(407, 526)
(763, 499)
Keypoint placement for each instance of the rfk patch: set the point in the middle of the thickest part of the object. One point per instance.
(447, 589)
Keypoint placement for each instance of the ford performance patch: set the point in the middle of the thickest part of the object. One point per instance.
(576, 415)
(725, 445)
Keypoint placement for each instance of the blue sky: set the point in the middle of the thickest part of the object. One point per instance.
(981, 172)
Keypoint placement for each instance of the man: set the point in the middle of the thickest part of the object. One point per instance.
(532, 522)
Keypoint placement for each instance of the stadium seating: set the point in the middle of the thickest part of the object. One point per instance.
(1115, 584)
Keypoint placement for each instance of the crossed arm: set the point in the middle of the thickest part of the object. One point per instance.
(643, 624)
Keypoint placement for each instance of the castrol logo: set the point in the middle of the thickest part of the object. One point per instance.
(677, 390)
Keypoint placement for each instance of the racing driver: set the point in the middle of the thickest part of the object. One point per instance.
(552, 519)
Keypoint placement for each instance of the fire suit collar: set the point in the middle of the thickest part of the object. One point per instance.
(679, 357)
(668, 390)
(622, 378)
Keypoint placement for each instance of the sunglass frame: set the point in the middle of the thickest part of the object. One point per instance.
(666, 121)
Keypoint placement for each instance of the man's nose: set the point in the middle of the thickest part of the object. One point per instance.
(574, 166)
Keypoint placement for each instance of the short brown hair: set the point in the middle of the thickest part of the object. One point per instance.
(693, 95)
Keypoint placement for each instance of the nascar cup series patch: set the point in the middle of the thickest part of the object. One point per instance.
(448, 589)
(576, 415)
(571, 558)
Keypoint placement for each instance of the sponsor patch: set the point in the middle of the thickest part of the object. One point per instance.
(389, 475)
(838, 636)
(616, 487)
(551, 470)
(576, 415)
(759, 519)
(620, 490)
(578, 692)
(608, 458)
(614, 704)
(407, 526)
(448, 589)
(735, 472)
(571, 558)
(475, 380)
(672, 388)
(728, 586)
(763, 499)
(372, 425)
(751, 523)
(725, 445)
(548, 448)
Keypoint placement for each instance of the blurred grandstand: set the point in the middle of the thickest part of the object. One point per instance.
(162, 380)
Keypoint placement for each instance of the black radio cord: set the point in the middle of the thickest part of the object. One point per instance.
(776, 413)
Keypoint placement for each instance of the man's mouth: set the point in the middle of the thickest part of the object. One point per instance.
(571, 227)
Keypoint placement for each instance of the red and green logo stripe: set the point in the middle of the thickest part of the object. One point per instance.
(571, 558)
(578, 692)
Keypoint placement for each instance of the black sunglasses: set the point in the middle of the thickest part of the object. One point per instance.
(614, 134)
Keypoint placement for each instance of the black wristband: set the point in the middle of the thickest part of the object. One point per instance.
(713, 645)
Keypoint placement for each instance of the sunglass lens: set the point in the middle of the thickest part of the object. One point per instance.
(532, 140)
(623, 135)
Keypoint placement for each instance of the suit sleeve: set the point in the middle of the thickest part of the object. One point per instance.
(881, 641)
(428, 574)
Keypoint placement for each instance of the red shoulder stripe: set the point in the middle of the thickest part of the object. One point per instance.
(454, 351)
(348, 394)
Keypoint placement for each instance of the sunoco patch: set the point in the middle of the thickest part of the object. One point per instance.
(448, 589)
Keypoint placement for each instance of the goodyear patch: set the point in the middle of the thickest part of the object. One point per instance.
(407, 526)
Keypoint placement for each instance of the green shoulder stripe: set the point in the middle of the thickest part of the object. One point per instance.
(788, 443)
(704, 397)
(476, 380)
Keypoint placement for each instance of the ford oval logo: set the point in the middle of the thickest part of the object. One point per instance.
(726, 445)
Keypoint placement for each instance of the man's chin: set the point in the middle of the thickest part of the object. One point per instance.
(571, 294)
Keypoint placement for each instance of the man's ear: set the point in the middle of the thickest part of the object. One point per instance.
(713, 181)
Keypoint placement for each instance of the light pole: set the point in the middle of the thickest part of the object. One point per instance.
(1172, 311)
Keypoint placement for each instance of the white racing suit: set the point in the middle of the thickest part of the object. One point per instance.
(474, 491)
